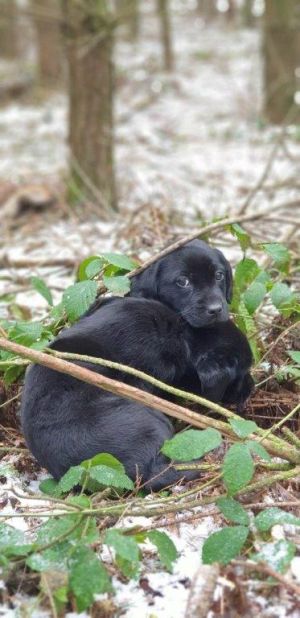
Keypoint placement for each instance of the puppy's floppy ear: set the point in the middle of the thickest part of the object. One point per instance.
(228, 276)
(147, 283)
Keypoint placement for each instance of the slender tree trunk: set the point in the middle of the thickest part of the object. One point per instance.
(230, 13)
(166, 34)
(8, 33)
(281, 33)
(132, 17)
(47, 22)
(208, 9)
(247, 14)
(89, 39)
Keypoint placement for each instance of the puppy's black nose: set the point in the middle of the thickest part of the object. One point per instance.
(214, 309)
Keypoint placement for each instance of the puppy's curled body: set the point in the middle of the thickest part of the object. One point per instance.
(66, 421)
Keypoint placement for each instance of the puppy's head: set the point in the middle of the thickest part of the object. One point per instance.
(195, 281)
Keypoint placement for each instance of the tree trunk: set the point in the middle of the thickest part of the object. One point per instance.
(208, 9)
(8, 34)
(89, 39)
(132, 17)
(247, 14)
(166, 34)
(47, 22)
(281, 27)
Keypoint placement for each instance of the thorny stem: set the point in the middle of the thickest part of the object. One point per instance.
(280, 423)
(158, 383)
(276, 447)
(149, 511)
(291, 437)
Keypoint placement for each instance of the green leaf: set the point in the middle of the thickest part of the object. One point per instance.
(278, 555)
(165, 547)
(110, 477)
(245, 273)
(50, 487)
(233, 511)
(278, 252)
(120, 260)
(258, 449)
(241, 234)
(125, 546)
(103, 459)
(54, 528)
(12, 374)
(191, 444)
(78, 298)
(83, 501)
(224, 545)
(57, 312)
(238, 468)
(243, 428)
(88, 577)
(129, 569)
(41, 287)
(254, 295)
(288, 371)
(13, 542)
(269, 517)
(51, 559)
(280, 294)
(61, 594)
(247, 324)
(295, 356)
(117, 285)
(70, 479)
(26, 333)
(263, 277)
(90, 268)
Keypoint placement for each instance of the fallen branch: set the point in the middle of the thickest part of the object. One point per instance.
(276, 447)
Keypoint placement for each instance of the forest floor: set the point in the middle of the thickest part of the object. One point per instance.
(190, 146)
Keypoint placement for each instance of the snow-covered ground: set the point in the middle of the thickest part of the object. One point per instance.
(189, 146)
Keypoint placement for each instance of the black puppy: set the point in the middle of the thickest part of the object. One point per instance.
(196, 281)
(180, 334)
(66, 421)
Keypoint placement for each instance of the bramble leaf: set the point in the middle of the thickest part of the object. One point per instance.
(119, 285)
(110, 477)
(191, 444)
(258, 449)
(238, 468)
(88, 577)
(90, 267)
(254, 295)
(41, 287)
(224, 545)
(120, 260)
(233, 511)
(70, 479)
(165, 547)
(78, 298)
(269, 517)
(243, 428)
(278, 252)
(280, 294)
(278, 555)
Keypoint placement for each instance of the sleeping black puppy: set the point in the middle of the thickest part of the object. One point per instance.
(180, 333)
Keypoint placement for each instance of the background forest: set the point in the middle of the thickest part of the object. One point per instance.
(126, 126)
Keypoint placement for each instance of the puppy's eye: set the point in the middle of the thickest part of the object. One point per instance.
(183, 282)
(219, 275)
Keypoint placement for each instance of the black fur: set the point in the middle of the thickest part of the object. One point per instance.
(180, 334)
